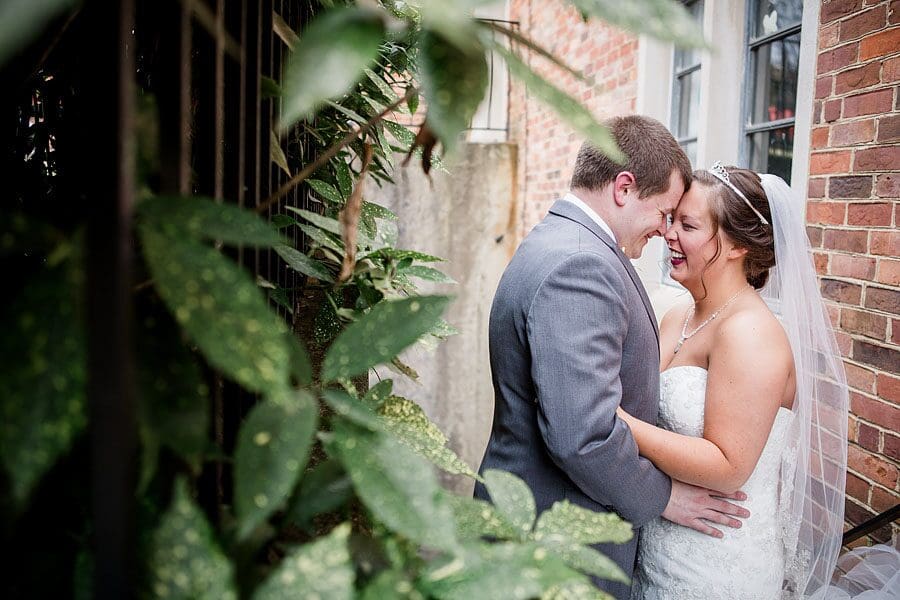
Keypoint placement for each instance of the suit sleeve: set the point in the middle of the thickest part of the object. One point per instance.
(576, 328)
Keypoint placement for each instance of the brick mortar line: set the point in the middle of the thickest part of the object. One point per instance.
(867, 480)
(880, 429)
(875, 87)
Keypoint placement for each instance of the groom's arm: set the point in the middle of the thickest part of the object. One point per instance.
(576, 328)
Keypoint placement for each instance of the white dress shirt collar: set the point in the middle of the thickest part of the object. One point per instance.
(570, 197)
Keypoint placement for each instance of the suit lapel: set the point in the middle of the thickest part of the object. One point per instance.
(567, 210)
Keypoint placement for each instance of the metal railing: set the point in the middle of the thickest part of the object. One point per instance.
(873, 524)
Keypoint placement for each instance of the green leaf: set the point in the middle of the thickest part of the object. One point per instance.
(575, 590)
(301, 367)
(476, 519)
(269, 88)
(386, 150)
(304, 264)
(582, 525)
(376, 106)
(413, 103)
(396, 485)
(378, 393)
(277, 154)
(352, 409)
(322, 222)
(570, 110)
(322, 239)
(376, 211)
(380, 335)
(326, 190)
(454, 82)
(220, 307)
(343, 175)
(396, 254)
(406, 420)
(42, 391)
(321, 569)
(502, 570)
(282, 221)
(330, 225)
(174, 399)
(351, 114)
(21, 21)
(442, 330)
(279, 296)
(660, 19)
(584, 558)
(323, 489)
(403, 135)
(204, 218)
(382, 85)
(185, 562)
(512, 498)
(393, 584)
(489, 37)
(453, 20)
(340, 43)
(428, 274)
(273, 446)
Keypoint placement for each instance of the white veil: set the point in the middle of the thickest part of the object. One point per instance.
(814, 470)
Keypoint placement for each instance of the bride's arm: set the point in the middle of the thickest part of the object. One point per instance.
(749, 366)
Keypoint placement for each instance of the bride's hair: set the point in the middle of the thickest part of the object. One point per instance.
(739, 221)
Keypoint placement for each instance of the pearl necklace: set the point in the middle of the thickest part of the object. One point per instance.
(686, 336)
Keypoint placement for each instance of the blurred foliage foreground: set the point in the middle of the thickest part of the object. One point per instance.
(333, 492)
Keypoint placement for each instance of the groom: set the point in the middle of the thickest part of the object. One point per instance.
(573, 336)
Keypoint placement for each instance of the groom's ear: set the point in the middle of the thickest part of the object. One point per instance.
(623, 187)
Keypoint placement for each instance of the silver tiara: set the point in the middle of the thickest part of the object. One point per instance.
(722, 175)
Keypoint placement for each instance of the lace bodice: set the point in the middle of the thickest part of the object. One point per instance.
(675, 562)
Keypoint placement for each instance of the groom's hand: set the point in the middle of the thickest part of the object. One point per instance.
(695, 507)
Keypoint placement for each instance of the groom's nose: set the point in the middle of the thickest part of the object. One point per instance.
(661, 229)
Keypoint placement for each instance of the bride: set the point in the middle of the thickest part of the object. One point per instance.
(753, 398)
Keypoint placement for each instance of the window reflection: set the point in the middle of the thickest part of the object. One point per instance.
(772, 152)
(774, 53)
(771, 16)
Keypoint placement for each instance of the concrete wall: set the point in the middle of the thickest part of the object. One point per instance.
(467, 216)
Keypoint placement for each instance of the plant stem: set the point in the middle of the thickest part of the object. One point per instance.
(331, 153)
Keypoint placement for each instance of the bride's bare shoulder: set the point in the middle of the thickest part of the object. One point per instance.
(753, 328)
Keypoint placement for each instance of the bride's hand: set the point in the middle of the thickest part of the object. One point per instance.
(623, 415)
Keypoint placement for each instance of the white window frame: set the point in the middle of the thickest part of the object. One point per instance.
(720, 130)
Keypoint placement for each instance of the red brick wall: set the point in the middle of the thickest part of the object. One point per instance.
(547, 148)
(853, 214)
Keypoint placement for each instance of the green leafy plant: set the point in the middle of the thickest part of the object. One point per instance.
(333, 491)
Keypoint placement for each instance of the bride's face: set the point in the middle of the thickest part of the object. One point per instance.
(692, 238)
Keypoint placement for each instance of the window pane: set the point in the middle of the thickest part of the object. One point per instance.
(687, 57)
(690, 148)
(774, 71)
(772, 151)
(687, 98)
(770, 16)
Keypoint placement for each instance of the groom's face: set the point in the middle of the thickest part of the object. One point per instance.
(646, 217)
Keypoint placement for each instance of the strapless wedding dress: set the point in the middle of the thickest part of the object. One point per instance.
(675, 562)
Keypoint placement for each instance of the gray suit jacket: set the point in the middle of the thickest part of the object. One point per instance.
(573, 336)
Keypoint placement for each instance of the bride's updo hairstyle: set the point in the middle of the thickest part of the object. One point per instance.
(739, 222)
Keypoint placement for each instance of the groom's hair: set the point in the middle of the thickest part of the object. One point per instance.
(651, 154)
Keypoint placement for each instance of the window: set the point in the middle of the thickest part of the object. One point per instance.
(686, 91)
(773, 59)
